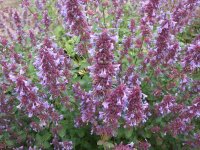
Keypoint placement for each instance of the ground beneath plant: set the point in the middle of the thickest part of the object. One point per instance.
(8, 3)
(4, 4)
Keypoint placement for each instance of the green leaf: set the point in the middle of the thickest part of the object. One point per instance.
(39, 139)
(62, 132)
(46, 145)
(147, 134)
(69, 49)
(81, 133)
(128, 133)
(109, 145)
(100, 142)
(9, 143)
(46, 136)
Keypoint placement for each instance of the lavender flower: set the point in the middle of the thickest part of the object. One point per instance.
(113, 108)
(166, 105)
(46, 20)
(135, 113)
(18, 24)
(87, 106)
(30, 100)
(53, 65)
(32, 37)
(75, 20)
(143, 145)
(191, 61)
(123, 147)
(183, 13)
(104, 68)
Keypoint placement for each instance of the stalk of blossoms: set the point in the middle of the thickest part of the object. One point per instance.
(75, 20)
(31, 101)
(53, 67)
(143, 145)
(32, 37)
(194, 142)
(135, 113)
(7, 25)
(131, 78)
(65, 145)
(165, 107)
(149, 11)
(102, 71)
(46, 20)
(191, 60)
(18, 24)
(113, 108)
(183, 123)
(127, 44)
(104, 68)
(123, 147)
(162, 41)
(183, 13)
(87, 106)
(117, 11)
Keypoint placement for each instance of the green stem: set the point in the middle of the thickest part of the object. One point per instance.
(139, 50)
(104, 18)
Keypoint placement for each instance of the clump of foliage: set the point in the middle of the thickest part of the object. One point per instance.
(99, 74)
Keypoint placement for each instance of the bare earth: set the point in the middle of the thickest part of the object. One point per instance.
(8, 3)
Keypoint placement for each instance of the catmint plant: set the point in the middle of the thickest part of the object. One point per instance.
(99, 74)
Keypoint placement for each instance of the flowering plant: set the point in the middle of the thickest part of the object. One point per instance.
(99, 74)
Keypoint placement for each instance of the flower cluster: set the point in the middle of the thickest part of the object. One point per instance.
(191, 61)
(123, 147)
(18, 24)
(76, 21)
(123, 102)
(143, 145)
(117, 11)
(183, 13)
(166, 105)
(182, 124)
(30, 100)
(149, 11)
(46, 19)
(104, 69)
(136, 109)
(66, 145)
(53, 67)
(114, 107)
(87, 106)
(103, 72)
